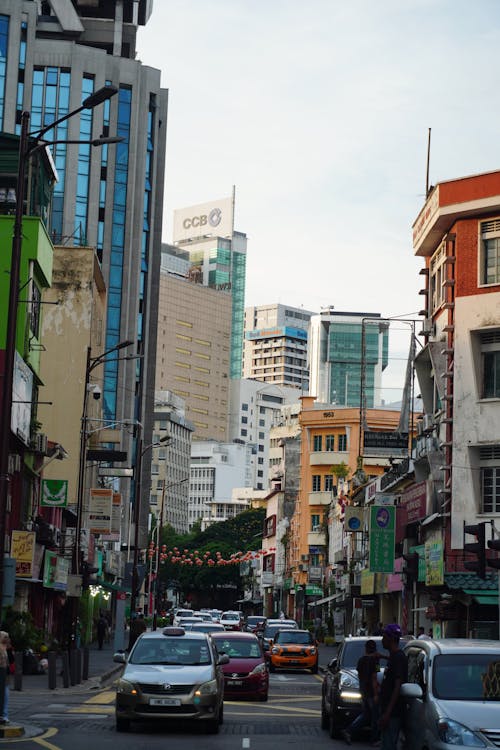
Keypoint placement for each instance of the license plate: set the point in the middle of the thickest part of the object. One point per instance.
(164, 702)
(294, 661)
(235, 682)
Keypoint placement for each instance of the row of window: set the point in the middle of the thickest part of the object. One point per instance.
(329, 442)
(322, 483)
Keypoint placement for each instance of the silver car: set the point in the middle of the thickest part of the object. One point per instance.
(453, 694)
(171, 674)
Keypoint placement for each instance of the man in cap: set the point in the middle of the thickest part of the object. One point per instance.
(392, 705)
(368, 668)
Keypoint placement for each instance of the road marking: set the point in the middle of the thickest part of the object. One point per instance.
(42, 741)
(245, 743)
(107, 696)
(95, 710)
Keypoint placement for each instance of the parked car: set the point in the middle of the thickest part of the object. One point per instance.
(253, 623)
(453, 694)
(171, 674)
(246, 675)
(293, 649)
(231, 620)
(340, 694)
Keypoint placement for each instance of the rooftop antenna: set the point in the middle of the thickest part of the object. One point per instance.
(428, 160)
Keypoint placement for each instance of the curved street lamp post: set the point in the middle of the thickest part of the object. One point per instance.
(26, 150)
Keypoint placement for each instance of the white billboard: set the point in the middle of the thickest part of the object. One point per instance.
(205, 219)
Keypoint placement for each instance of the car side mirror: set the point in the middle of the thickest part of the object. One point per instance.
(410, 690)
(120, 657)
(223, 659)
(333, 665)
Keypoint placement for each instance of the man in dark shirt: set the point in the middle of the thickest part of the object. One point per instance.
(395, 674)
(368, 667)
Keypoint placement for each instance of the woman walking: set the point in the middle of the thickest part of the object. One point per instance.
(6, 658)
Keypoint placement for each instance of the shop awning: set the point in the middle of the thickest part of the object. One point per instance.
(483, 596)
(327, 599)
(110, 586)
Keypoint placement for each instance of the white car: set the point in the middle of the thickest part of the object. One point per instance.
(231, 620)
(182, 613)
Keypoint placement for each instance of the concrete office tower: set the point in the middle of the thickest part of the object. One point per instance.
(170, 462)
(216, 468)
(275, 347)
(194, 335)
(218, 260)
(255, 409)
(344, 349)
(110, 198)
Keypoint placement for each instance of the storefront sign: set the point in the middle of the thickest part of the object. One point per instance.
(395, 580)
(100, 511)
(116, 514)
(55, 571)
(23, 550)
(54, 493)
(412, 508)
(367, 582)
(382, 538)
(434, 563)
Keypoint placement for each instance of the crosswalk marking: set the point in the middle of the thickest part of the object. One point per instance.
(107, 696)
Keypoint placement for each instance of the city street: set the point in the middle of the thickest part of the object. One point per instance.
(76, 721)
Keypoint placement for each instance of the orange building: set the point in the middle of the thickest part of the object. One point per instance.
(330, 437)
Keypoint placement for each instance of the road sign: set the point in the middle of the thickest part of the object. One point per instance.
(382, 538)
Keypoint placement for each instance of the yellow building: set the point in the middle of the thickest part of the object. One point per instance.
(330, 437)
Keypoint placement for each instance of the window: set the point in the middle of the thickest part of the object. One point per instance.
(318, 443)
(488, 343)
(330, 443)
(490, 252)
(490, 478)
(437, 278)
(270, 526)
(244, 407)
(315, 521)
(316, 483)
(328, 482)
(342, 443)
(260, 474)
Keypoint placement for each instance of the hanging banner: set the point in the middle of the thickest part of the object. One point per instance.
(54, 493)
(100, 511)
(23, 550)
(382, 538)
(434, 563)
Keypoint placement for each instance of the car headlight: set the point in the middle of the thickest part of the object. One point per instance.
(275, 650)
(348, 681)
(456, 734)
(125, 687)
(207, 688)
(259, 669)
(312, 651)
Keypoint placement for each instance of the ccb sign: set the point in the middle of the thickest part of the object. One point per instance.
(211, 219)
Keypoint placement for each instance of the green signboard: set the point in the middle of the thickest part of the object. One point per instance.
(382, 538)
(54, 493)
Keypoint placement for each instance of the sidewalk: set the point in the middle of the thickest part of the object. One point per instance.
(102, 669)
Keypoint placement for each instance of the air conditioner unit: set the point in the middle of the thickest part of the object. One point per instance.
(427, 422)
(427, 326)
(420, 427)
(14, 463)
(40, 443)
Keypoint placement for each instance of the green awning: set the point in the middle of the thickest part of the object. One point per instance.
(483, 596)
(481, 599)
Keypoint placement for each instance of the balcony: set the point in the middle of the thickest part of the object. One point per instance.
(316, 538)
(320, 498)
(327, 458)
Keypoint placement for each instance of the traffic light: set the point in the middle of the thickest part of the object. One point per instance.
(476, 548)
(411, 567)
(494, 562)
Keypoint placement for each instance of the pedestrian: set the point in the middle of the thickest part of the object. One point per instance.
(137, 627)
(318, 628)
(421, 634)
(368, 668)
(102, 626)
(282, 615)
(392, 705)
(6, 659)
(363, 630)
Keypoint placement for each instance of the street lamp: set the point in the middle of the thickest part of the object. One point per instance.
(25, 152)
(137, 505)
(158, 530)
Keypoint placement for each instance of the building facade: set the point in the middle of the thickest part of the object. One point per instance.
(347, 353)
(275, 349)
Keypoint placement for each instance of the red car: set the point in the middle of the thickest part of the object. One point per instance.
(246, 675)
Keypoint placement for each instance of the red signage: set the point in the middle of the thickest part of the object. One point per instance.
(412, 508)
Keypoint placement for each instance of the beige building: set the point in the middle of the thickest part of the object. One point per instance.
(193, 352)
(74, 318)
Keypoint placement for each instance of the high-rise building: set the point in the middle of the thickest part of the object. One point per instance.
(217, 254)
(193, 350)
(275, 348)
(109, 198)
(347, 353)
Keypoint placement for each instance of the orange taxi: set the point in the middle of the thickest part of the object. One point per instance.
(293, 649)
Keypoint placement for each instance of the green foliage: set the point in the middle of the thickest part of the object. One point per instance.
(341, 470)
(23, 633)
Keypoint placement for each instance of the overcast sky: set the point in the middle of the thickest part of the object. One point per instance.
(318, 112)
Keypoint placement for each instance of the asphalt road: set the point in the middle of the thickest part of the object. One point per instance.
(290, 718)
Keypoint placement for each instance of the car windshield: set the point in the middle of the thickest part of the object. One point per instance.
(271, 630)
(354, 650)
(238, 648)
(293, 636)
(472, 676)
(230, 616)
(182, 651)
